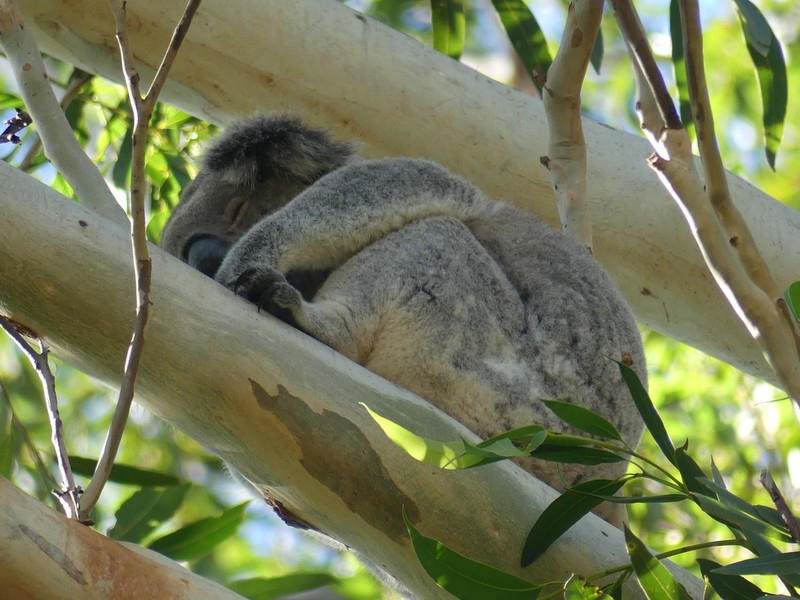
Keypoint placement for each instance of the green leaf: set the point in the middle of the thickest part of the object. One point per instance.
(563, 513)
(732, 516)
(526, 36)
(679, 68)
(121, 173)
(465, 578)
(199, 538)
(767, 56)
(576, 456)
(650, 415)
(583, 419)
(654, 578)
(691, 472)
(144, 511)
(457, 454)
(792, 297)
(597, 52)
(762, 547)
(729, 587)
(125, 474)
(780, 564)
(264, 589)
(576, 588)
(447, 19)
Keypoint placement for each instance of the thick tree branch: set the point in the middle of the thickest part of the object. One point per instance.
(273, 402)
(44, 555)
(566, 158)
(59, 142)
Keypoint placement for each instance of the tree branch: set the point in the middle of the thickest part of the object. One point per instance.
(566, 159)
(69, 494)
(142, 109)
(59, 142)
(676, 169)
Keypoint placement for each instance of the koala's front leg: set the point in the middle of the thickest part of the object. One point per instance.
(266, 288)
(270, 290)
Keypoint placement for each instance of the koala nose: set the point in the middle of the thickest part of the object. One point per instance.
(206, 254)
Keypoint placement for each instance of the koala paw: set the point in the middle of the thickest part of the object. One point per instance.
(266, 288)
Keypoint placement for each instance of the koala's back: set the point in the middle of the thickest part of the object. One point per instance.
(486, 320)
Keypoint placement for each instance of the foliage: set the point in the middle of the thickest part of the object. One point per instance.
(682, 480)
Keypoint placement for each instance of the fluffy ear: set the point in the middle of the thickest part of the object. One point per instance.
(261, 147)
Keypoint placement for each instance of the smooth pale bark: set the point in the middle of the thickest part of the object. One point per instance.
(345, 71)
(45, 555)
(281, 407)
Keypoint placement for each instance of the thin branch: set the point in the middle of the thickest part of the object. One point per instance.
(69, 494)
(634, 35)
(59, 141)
(780, 503)
(741, 240)
(676, 169)
(562, 101)
(142, 109)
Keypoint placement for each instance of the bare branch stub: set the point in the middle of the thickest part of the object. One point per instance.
(780, 503)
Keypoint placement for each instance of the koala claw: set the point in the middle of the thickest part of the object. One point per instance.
(266, 288)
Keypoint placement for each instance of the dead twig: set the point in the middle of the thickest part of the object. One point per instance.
(69, 493)
(780, 503)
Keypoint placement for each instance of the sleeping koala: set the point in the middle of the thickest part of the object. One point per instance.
(413, 273)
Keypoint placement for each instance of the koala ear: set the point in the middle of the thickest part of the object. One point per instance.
(258, 148)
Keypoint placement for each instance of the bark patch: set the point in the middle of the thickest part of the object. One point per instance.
(340, 457)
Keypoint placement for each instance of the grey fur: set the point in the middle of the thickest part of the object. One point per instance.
(470, 303)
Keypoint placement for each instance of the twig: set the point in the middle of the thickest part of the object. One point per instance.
(59, 142)
(780, 503)
(562, 102)
(69, 494)
(142, 108)
(76, 83)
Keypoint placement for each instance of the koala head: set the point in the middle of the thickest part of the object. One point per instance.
(254, 168)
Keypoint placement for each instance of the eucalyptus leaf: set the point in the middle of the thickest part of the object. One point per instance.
(679, 68)
(457, 454)
(690, 472)
(732, 516)
(779, 564)
(449, 24)
(563, 513)
(729, 587)
(583, 419)
(465, 578)
(650, 415)
(792, 297)
(266, 588)
(146, 510)
(125, 474)
(201, 537)
(767, 56)
(526, 36)
(654, 578)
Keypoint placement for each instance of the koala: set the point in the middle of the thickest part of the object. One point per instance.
(412, 272)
